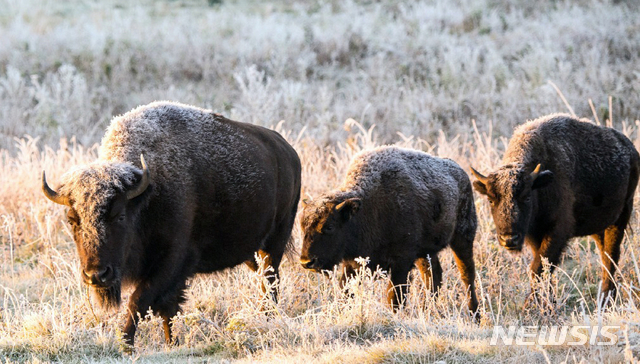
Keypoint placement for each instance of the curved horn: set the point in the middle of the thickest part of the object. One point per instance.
(479, 176)
(143, 184)
(535, 172)
(53, 195)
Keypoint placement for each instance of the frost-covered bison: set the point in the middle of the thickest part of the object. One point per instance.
(560, 178)
(399, 207)
(211, 194)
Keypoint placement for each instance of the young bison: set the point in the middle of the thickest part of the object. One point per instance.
(399, 207)
(561, 178)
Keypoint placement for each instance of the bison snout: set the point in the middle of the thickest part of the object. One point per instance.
(309, 263)
(510, 241)
(99, 277)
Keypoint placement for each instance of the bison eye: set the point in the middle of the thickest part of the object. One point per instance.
(524, 198)
(121, 217)
(328, 228)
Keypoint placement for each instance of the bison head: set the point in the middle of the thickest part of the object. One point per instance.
(511, 190)
(326, 228)
(104, 200)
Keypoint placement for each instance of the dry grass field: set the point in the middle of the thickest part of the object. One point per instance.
(334, 77)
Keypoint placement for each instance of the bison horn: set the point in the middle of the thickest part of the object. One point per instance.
(535, 172)
(479, 176)
(143, 184)
(53, 195)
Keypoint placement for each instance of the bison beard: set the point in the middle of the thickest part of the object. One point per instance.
(108, 297)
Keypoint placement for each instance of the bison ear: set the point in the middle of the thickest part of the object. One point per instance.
(480, 184)
(348, 208)
(542, 179)
(480, 187)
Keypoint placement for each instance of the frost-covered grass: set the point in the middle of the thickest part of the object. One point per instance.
(46, 313)
(418, 67)
(448, 77)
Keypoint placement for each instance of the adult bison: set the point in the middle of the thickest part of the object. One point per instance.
(214, 193)
(560, 178)
(399, 207)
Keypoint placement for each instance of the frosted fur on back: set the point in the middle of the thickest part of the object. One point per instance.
(524, 145)
(182, 138)
(150, 124)
(366, 168)
(415, 175)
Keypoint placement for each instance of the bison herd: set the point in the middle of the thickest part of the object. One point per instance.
(178, 190)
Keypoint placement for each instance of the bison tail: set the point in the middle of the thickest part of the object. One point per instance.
(290, 250)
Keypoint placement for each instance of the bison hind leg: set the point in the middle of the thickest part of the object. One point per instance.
(271, 254)
(608, 243)
(167, 313)
(263, 264)
(168, 307)
(462, 247)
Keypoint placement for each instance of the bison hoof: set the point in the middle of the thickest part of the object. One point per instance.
(476, 316)
(127, 348)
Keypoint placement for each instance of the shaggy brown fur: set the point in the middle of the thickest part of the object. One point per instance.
(219, 192)
(399, 207)
(585, 186)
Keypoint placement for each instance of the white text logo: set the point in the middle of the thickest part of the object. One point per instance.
(555, 335)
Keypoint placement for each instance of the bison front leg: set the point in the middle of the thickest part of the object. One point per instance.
(348, 271)
(133, 316)
(161, 297)
(140, 301)
(397, 288)
(551, 249)
(431, 271)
